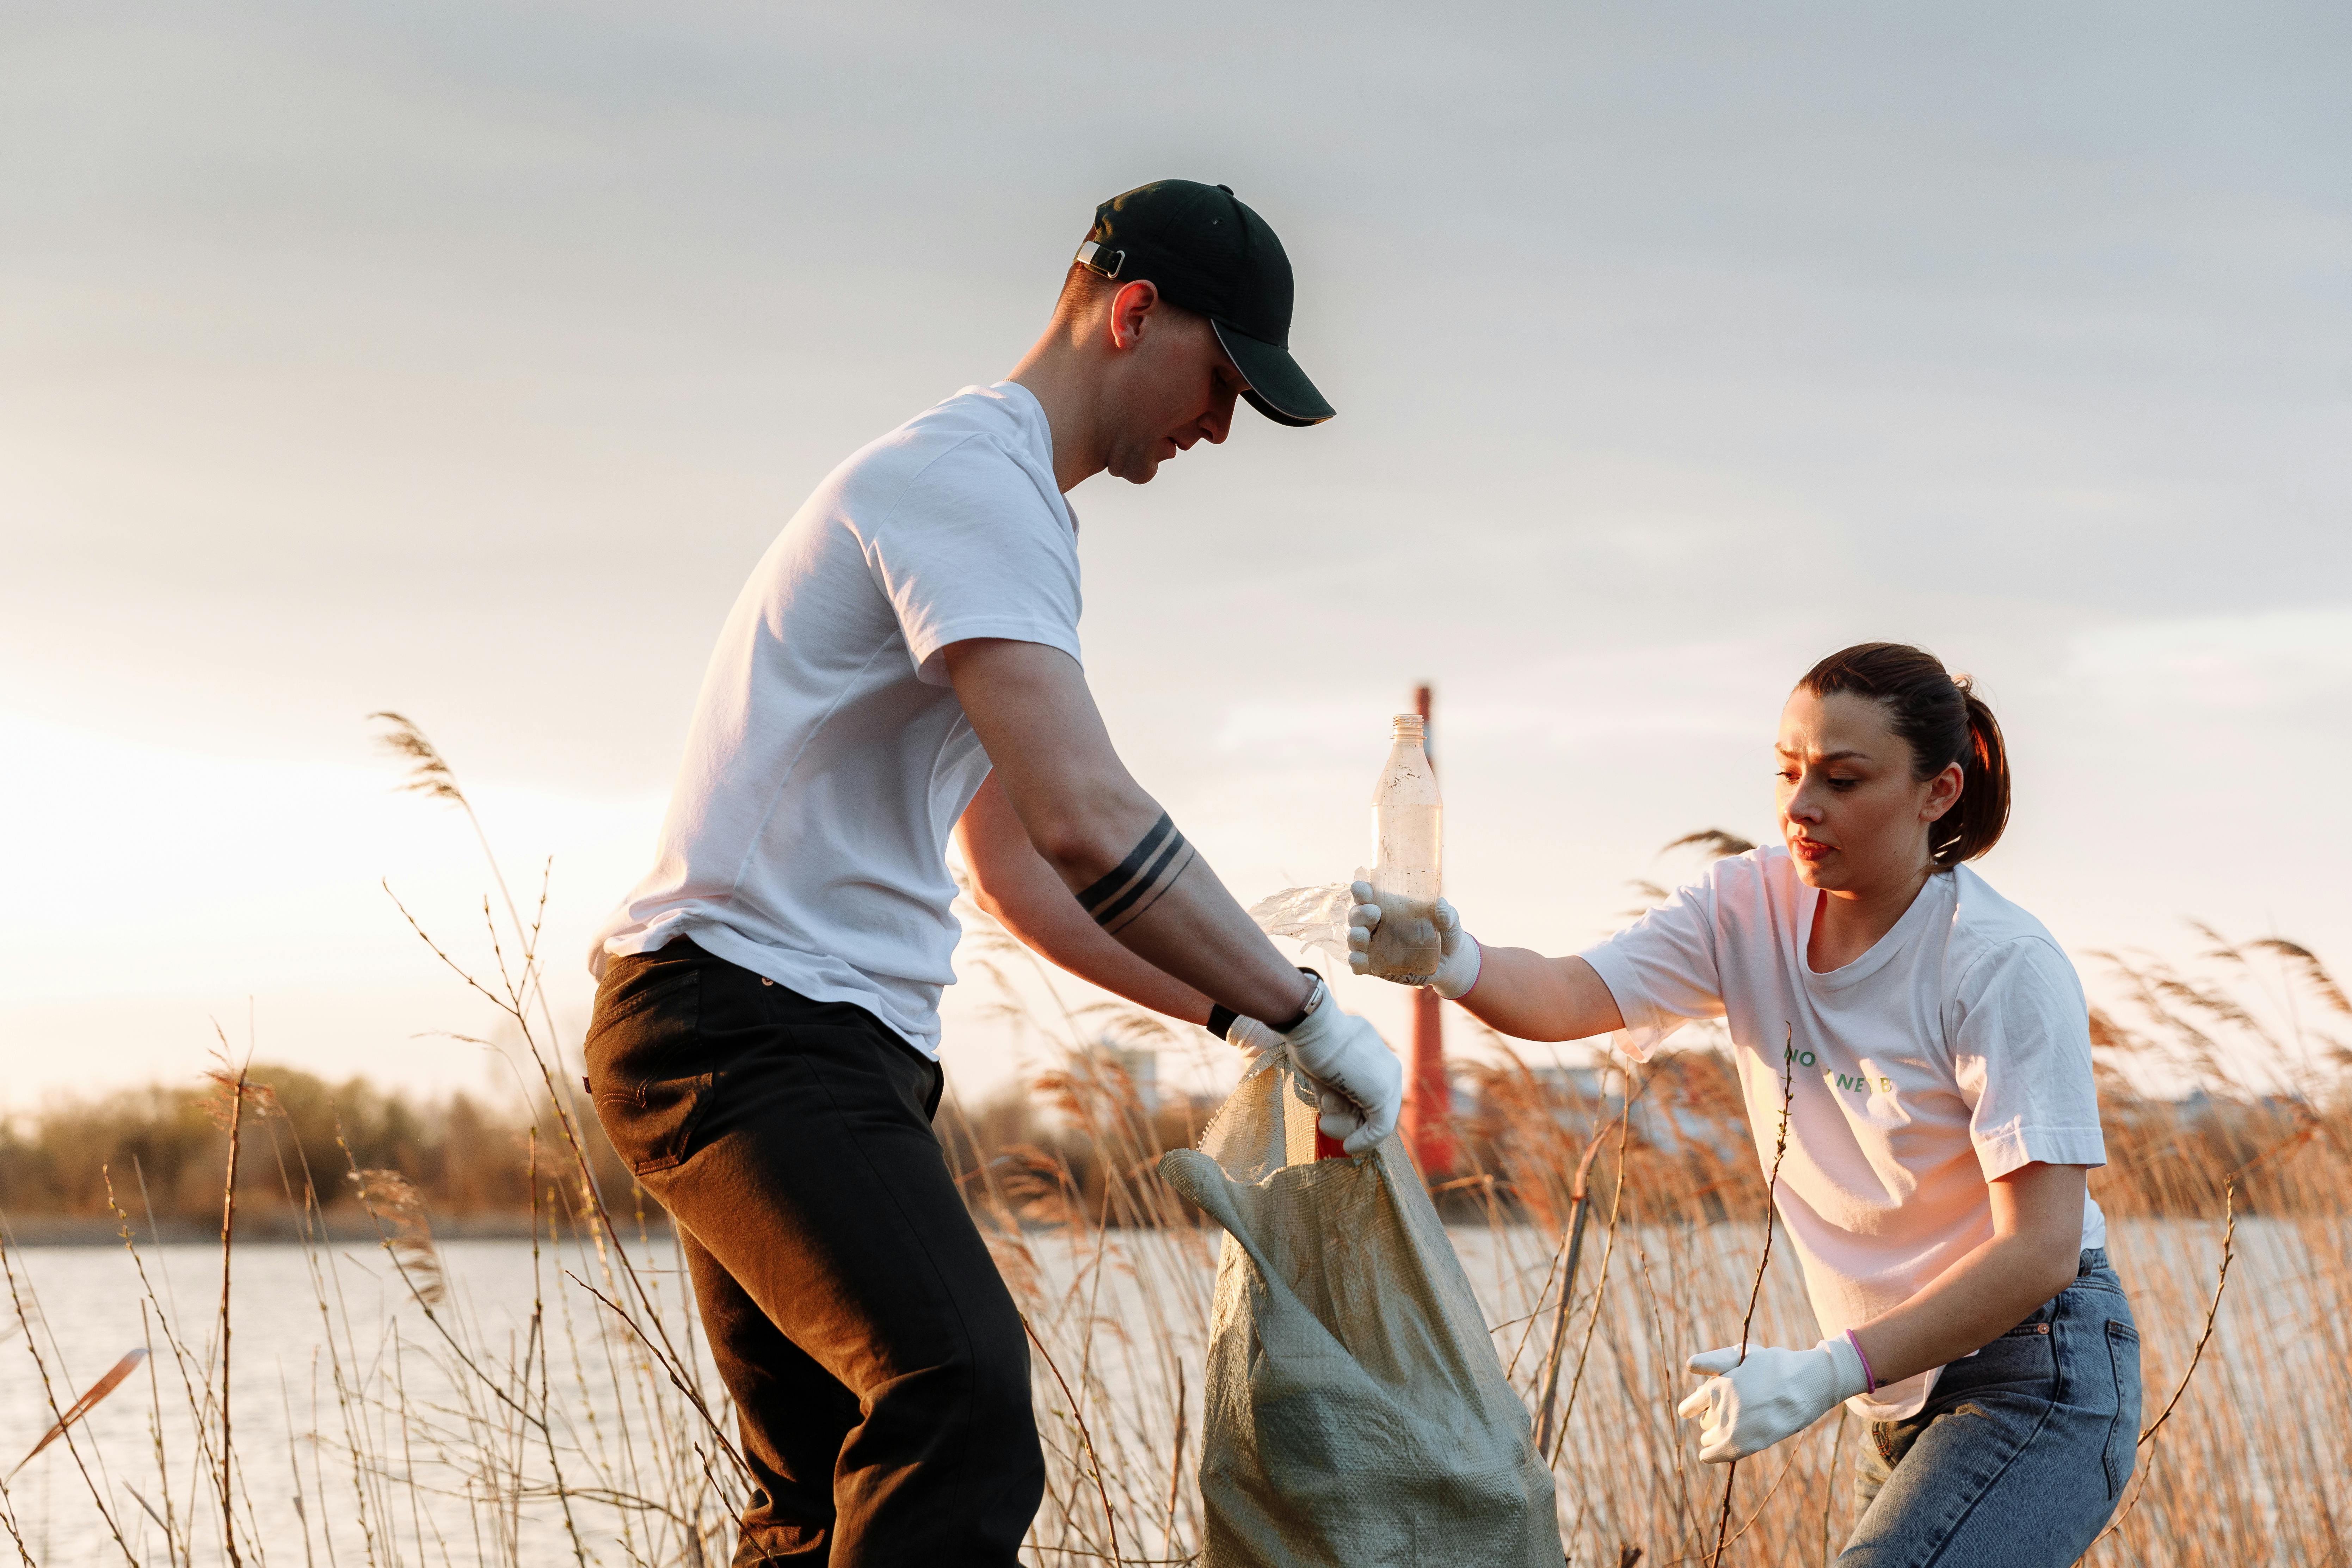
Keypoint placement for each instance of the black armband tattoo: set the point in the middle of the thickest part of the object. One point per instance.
(1149, 870)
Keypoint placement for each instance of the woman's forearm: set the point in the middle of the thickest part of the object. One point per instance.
(1527, 996)
(2032, 1254)
(1981, 1298)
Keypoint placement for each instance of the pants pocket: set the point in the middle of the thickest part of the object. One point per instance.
(2123, 1430)
(645, 1060)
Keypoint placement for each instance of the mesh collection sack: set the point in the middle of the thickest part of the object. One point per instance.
(1355, 1412)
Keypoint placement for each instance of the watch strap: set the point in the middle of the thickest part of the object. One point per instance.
(1314, 995)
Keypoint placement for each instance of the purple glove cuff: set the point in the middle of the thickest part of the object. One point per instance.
(1869, 1376)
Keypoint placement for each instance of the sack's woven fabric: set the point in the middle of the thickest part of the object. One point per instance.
(1355, 1412)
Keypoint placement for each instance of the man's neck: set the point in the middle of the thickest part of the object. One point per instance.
(1062, 380)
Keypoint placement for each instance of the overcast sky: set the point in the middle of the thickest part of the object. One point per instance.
(462, 359)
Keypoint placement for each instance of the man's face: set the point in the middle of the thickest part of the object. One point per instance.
(1170, 383)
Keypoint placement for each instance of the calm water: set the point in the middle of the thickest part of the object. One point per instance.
(295, 1437)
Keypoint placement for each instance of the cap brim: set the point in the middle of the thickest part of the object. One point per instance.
(1277, 387)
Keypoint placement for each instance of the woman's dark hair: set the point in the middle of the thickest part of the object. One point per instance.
(1943, 720)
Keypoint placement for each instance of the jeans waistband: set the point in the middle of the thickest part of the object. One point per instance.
(2092, 1257)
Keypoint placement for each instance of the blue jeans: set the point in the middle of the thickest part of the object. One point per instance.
(2021, 1452)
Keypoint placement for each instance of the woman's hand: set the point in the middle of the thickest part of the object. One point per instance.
(1457, 965)
(1518, 993)
(1744, 1407)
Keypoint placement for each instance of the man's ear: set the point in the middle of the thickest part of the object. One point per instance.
(1131, 308)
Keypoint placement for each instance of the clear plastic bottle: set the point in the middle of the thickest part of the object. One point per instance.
(1407, 836)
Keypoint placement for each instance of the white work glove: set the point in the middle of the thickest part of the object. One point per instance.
(1457, 967)
(1746, 1406)
(1336, 1116)
(1252, 1039)
(1361, 1082)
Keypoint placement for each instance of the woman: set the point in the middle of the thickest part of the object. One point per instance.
(1941, 1121)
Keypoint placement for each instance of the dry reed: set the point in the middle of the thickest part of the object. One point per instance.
(1763, 1260)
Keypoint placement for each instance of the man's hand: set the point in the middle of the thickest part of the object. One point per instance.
(1336, 1115)
(1252, 1039)
(1457, 968)
(1353, 1065)
(1744, 1407)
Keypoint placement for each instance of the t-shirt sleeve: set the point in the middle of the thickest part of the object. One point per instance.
(2021, 1058)
(1661, 969)
(974, 548)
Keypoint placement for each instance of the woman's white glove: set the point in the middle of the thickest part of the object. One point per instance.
(1457, 967)
(1361, 1080)
(1744, 1407)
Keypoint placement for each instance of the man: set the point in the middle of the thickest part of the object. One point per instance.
(904, 660)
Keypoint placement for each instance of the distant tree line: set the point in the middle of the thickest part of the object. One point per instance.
(165, 1151)
(1075, 1144)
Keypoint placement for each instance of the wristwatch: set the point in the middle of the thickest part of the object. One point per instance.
(1314, 995)
(1223, 1018)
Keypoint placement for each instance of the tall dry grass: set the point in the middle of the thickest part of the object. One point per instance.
(596, 1432)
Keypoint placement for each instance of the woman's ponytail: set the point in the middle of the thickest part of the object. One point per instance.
(1943, 720)
(1977, 819)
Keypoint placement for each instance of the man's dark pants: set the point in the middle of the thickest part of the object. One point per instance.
(878, 1367)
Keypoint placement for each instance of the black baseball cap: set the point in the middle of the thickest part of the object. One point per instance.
(1207, 252)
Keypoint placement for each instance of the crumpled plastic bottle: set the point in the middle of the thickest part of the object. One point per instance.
(1314, 918)
(1408, 835)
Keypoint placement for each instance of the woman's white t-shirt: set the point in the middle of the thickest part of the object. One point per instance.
(1953, 1052)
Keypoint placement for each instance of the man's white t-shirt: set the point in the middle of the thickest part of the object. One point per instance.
(1953, 1052)
(829, 759)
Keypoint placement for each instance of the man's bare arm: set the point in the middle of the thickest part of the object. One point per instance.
(1111, 845)
(1011, 881)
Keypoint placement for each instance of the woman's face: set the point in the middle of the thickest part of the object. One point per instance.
(1854, 817)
